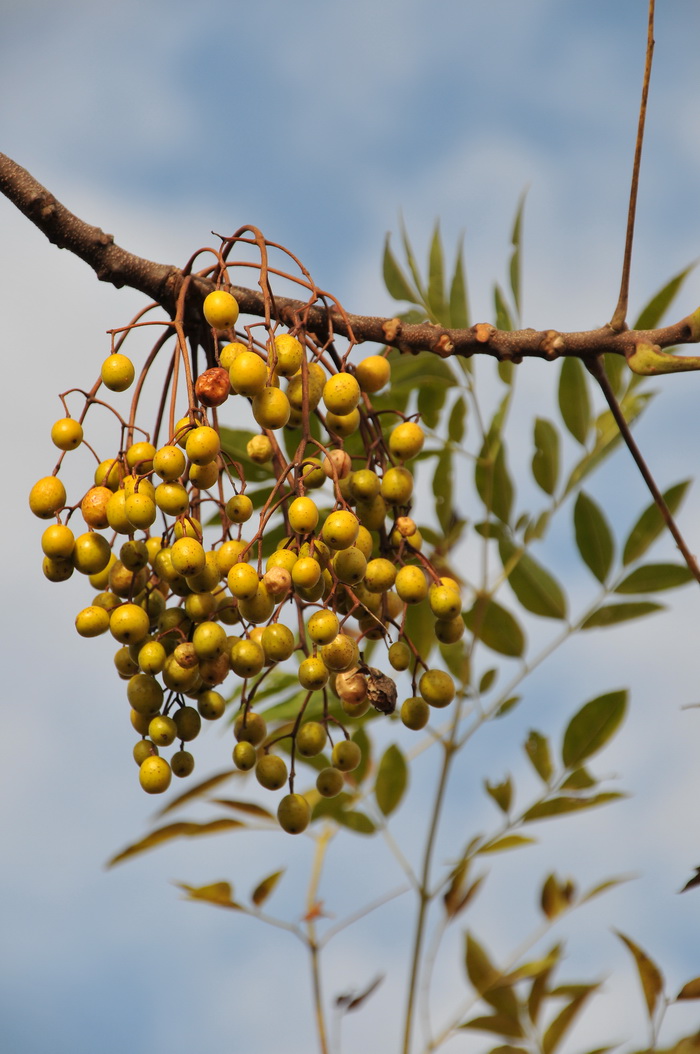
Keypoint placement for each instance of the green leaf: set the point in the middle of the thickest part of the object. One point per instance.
(509, 841)
(556, 896)
(502, 793)
(250, 808)
(690, 990)
(559, 806)
(217, 893)
(174, 830)
(574, 400)
(459, 301)
(481, 972)
(199, 789)
(391, 780)
(455, 425)
(653, 312)
(492, 478)
(500, 1024)
(537, 750)
(652, 578)
(431, 399)
(515, 238)
(503, 315)
(442, 489)
(536, 589)
(436, 279)
(651, 523)
(420, 628)
(356, 821)
(593, 536)
(395, 281)
(565, 1019)
(650, 976)
(411, 261)
(545, 460)
(590, 729)
(495, 626)
(263, 889)
(612, 614)
(615, 367)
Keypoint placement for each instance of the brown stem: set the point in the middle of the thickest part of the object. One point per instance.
(618, 320)
(163, 283)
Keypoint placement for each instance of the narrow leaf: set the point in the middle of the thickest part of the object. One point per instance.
(502, 793)
(653, 312)
(395, 281)
(574, 400)
(564, 1020)
(356, 821)
(504, 319)
(455, 425)
(217, 893)
(480, 970)
(411, 261)
(690, 990)
(174, 830)
(591, 728)
(593, 536)
(611, 614)
(199, 789)
(248, 807)
(650, 976)
(495, 626)
(436, 279)
(509, 841)
(263, 889)
(459, 301)
(652, 578)
(391, 781)
(536, 589)
(516, 237)
(442, 489)
(650, 524)
(559, 806)
(537, 750)
(545, 460)
(500, 1024)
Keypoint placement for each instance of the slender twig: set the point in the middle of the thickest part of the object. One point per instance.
(617, 322)
(596, 369)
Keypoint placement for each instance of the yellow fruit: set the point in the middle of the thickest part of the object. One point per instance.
(46, 497)
(220, 309)
(289, 354)
(373, 373)
(341, 393)
(117, 372)
(271, 408)
(248, 373)
(67, 434)
(293, 813)
(154, 775)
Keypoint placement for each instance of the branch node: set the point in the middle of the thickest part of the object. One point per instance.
(391, 329)
(552, 343)
(483, 331)
(444, 346)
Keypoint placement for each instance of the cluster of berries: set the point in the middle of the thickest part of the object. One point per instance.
(187, 613)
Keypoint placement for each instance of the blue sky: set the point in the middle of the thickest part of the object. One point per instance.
(319, 122)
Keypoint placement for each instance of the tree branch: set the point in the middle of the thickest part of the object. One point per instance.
(163, 282)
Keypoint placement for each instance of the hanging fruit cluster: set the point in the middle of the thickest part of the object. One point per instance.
(197, 580)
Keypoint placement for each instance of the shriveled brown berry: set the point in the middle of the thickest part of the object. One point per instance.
(213, 386)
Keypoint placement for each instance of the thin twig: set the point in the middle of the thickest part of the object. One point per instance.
(597, 370)
(617, 322)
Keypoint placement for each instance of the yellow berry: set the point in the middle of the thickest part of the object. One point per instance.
(220, 309)
(67, 433)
